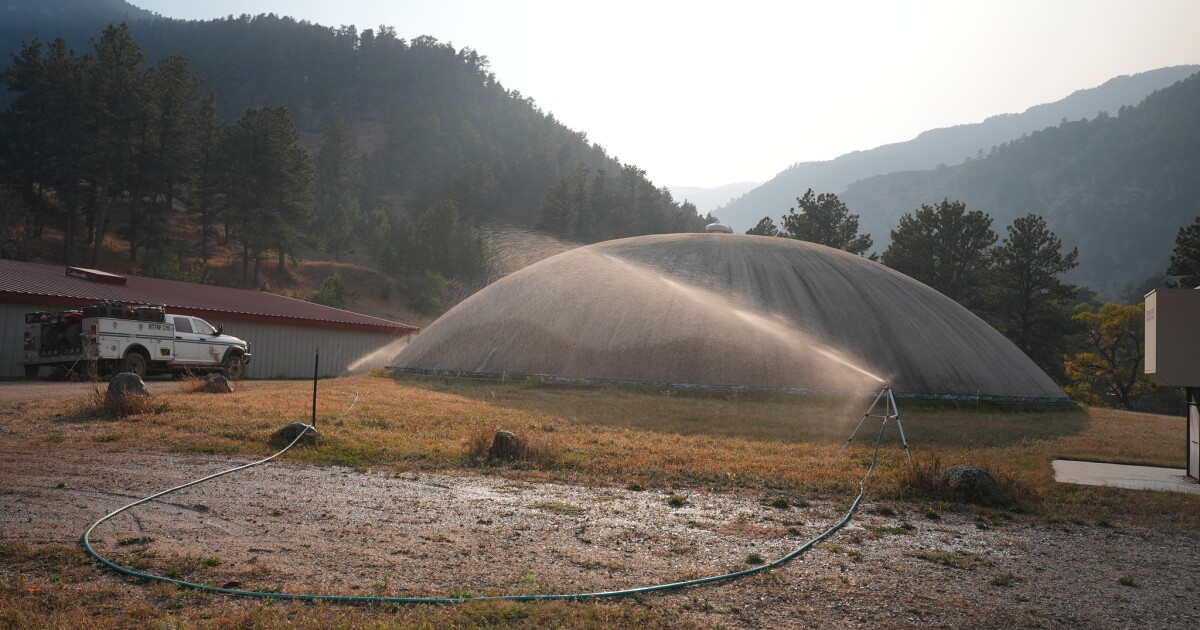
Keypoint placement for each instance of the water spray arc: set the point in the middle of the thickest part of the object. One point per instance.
(890, 411)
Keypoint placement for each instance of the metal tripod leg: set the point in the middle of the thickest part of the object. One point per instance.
(860, 423)
(900, 425)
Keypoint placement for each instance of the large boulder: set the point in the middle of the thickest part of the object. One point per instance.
(972, 484)
(218, 384)
(289, 432)
(506, 447)
(126, 384)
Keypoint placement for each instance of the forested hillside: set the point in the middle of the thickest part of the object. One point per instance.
(263, 137)
(1118, 187)
(948, 146)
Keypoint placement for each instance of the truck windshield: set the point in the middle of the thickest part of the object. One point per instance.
(202, 327)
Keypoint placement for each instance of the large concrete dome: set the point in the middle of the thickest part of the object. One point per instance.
(726, 310)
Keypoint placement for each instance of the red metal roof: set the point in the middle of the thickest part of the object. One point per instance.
(50, 284)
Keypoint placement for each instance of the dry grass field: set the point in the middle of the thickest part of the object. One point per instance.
(773, 447)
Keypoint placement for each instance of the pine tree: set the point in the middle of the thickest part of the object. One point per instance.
(204, 200)
(1185, 260)
(270, 187)
(765, 227)
(1027, 300)
(825, 220)
(945, 247)
(338, 183)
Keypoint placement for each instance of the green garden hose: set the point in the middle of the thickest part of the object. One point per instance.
(359, 599)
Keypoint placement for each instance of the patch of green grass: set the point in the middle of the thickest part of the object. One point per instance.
(853, 554)
(903, 528)
(559, 508)
(676, 500)
(780, 503)
(635, 486)
(108, 437)
(1127, 580)
(755, 558)
(1007, 578)
(958, 559)
(933, 515)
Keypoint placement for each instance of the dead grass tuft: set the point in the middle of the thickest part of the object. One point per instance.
(98, 404)
(536, 450)
(192, 384)
(923, 481)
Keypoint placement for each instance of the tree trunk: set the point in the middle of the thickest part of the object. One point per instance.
(245, 263)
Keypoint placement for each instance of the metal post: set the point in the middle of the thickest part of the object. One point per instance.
(316, 365)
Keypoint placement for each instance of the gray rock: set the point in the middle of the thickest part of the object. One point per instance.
(288, 433)
(218, 384)
(506, 446)
(126, 384)
(972, 484)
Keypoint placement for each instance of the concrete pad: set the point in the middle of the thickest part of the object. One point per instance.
(1124, 476)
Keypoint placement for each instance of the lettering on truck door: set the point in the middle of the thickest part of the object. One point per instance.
(189, 346)
(213, 351)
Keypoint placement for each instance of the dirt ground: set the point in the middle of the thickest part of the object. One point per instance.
(296, 528)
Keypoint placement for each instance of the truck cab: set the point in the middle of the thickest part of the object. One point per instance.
(200, 344)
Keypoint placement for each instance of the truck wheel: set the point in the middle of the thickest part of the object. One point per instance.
(234, 367)
(134, 362)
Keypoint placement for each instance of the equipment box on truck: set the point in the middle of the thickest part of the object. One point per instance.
(111, 337)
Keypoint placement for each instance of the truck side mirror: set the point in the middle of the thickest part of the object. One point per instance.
(220, 329)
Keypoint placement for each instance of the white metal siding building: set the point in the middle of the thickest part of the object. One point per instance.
(283, 332)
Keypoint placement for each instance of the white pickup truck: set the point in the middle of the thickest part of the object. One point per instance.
(111, 337)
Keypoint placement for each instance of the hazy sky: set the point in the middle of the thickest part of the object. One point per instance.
(708, 93)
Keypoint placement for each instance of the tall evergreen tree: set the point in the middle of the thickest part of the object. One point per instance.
(1027, 300)
(116, 128)
(1185, 260)
(204, 200)
(173, 92)
(765, 227)
(945, 247)
(339, 180)
(825, 220)
(271, 193)
(42, 145)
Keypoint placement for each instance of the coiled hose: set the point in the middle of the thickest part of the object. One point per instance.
(362, 599)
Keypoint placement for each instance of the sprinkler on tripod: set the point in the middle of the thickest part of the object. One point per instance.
(890, 410)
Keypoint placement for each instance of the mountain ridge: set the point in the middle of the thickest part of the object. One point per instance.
(946, 145)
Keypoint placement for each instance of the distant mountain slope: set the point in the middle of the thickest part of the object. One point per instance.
(949, 146)
(708, 199)
(76, 21)
(1118, 187)
(432, 121)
